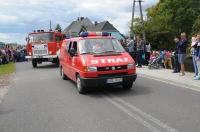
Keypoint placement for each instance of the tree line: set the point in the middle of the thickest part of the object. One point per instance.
(167, 20)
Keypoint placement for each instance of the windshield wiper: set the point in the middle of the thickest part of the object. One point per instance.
(109, 51)
(88, 53)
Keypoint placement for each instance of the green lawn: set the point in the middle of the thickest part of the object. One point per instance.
(7, 68)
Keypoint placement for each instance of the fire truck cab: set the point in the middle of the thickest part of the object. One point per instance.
(44, 46)
(95, 60)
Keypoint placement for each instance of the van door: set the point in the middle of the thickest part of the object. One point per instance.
(73, 61)
(66, 59)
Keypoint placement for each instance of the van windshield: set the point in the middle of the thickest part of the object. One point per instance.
(99, 46)
(41, 37)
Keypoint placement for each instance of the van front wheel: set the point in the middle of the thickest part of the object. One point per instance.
(81, 89)
(62, 74)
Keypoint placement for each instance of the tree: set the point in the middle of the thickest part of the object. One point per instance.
(168, 19)
(83, 28)
(58, 27)
(196, 27)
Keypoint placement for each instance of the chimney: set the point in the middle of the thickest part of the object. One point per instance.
(95, 23)
(82, 18)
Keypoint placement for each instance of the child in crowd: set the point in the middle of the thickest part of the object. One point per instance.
(168, 60)
(153, 56)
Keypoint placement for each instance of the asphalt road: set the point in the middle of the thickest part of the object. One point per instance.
(40, 101)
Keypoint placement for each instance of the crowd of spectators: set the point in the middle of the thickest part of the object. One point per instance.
(10, 54)
(175, 59)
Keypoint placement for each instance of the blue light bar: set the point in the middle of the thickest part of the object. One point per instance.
(84, 34)
(105, 34)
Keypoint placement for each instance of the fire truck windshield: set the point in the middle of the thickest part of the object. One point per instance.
(41, 37)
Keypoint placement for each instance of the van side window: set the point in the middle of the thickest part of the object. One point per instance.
(75, 46)
(69, 47)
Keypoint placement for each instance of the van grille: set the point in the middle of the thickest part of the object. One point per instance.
(40, 52)
(40, 49)
(110, 68)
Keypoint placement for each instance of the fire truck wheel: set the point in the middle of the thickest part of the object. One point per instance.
(127, 86)
(62, 74)
(81, 89)
(34, 63)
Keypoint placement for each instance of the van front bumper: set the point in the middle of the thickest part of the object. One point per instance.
(103, 81)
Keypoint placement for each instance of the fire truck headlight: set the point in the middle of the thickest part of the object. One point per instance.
(50, 52)
(130, 66)
(29, 53)
(91, 69)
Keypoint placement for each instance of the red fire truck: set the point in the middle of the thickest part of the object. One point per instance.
(44, 46)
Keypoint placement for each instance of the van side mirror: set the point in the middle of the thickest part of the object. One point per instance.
(73, 52)
(64, 37)
(27, 39)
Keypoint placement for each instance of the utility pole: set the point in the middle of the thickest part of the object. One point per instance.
(50, 29)
(142, 20)
(132, 20)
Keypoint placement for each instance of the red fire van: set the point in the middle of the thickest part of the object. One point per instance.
(94, 60)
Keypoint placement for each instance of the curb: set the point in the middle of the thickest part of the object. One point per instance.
(178, 84)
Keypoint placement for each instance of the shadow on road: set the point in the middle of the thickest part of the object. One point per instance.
(2, 112)
(47, 66)
(137, 90)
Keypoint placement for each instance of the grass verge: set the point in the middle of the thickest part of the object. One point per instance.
(7, 68)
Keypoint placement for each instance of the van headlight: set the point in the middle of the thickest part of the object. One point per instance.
(130, 66)
(91, 69)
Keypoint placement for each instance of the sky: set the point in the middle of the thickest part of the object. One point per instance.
(19, 17)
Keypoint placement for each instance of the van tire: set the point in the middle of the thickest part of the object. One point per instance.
(62, 74)
(127, 86)
(81, 89)
(34, 63)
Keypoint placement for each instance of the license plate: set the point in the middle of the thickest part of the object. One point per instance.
(114, 80)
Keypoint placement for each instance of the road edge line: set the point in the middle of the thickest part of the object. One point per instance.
(189, 87)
